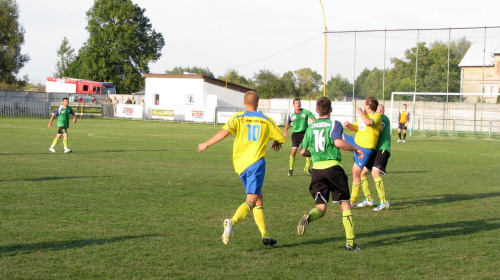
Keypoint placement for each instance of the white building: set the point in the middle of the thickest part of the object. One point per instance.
(189, 97)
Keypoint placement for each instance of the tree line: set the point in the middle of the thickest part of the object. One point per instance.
(122, 43)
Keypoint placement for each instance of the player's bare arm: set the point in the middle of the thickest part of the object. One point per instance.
(341, 144)
(216, 138)
(349, 126)
(365, 119)
(51, 119)
(287, 126)
(305, 153)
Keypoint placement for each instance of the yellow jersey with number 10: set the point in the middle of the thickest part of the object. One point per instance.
(253, 131)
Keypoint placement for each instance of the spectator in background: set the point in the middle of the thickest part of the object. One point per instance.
(114, 102)
(80, 99)
(94, 100)
(128, 101)
(133, 100)
(76, 99)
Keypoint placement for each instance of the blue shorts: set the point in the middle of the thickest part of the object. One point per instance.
(367, 152)
(253, 177)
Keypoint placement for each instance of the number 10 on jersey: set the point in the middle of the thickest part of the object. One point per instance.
(253, 132)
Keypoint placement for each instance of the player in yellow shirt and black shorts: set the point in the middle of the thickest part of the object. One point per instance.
(403, 119)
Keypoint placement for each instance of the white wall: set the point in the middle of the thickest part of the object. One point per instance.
(225, 97)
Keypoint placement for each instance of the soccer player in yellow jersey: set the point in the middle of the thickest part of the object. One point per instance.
(378, 163)
(403, 119)
(367, 128)
(253, 130)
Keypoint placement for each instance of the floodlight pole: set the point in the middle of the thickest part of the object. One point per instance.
(324, 63)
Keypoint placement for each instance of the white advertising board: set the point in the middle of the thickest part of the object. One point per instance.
(199, 114)
(129, 111)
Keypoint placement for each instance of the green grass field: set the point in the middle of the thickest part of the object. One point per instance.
(135, 200)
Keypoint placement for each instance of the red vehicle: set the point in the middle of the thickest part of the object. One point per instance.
(70, 85)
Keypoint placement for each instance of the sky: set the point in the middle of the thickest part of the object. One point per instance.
(276, 35)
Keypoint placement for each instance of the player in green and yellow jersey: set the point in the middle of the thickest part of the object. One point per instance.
(367, 128)
(322, 142)
(63, 114)
(300, 118)
(253, 131)
(378, 163)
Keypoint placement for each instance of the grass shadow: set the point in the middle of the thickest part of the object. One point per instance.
(422, 232)
(23, 249)
(438, 199)
(41, 179)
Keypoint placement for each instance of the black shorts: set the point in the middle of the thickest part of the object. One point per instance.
(402, 126)
(332, 180)
(297, 138)
(378, 160)
(62, 130)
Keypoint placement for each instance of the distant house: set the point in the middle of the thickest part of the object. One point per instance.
(481, 72)
(184, 97)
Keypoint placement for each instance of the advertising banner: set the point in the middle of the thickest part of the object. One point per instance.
(129, 111)
(82, 110)
(199, 114)
(158, 113)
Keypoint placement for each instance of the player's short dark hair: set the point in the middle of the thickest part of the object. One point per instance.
(65, 98)
(296, 99)
(323, 104)
(372, 103)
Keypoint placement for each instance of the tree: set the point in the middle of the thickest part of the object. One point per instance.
(66, 56)
(360, 80)
(338, 87)
(290, 83)
(308, 81)
(195, 69)
(11, 40)
(269, 84)
(372, 84)
(121, 44)
(432, 68)
(235, 78)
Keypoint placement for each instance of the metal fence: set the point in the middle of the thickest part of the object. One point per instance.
(24, 109)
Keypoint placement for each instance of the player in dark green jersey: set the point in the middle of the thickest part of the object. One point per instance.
(63, 114)
(378, 163)
(322, 142)
(300, 119)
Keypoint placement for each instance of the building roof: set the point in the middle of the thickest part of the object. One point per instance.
(477, 55)
(209, 80)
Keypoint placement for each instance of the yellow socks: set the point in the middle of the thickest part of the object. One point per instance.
(348, 226)
(315, 213)
(379, 184)
(291, 161)
(242, 212)
(308, 163)
(355, 192)
(366, 189)
(258, 216)
(65, 142)
(54, 143)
